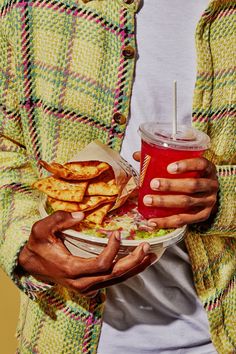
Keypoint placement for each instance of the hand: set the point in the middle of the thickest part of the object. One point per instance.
(47, 259)
(201, 193)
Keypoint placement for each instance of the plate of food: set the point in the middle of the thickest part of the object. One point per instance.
(108, 199)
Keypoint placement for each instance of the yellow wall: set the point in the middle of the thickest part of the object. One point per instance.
(9, 310)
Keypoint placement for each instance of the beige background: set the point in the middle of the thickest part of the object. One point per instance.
(9, 310)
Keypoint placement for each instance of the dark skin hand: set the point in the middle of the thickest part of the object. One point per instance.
(47, 259)
(200, 201)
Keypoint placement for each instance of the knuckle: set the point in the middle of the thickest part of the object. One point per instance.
(178, 221)
(70, 284)
(213, 200)
(205, 215)
(59, 216)
(159, 200)
(75, 286)
(79, 287)
(194, 185)
(116, 273)
(37, 228)
(187, 201)
(103, 265)
(135, 257)
(165, 184)
(204, 163)
(68, 269)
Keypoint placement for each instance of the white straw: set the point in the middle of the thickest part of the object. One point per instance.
(174, 118)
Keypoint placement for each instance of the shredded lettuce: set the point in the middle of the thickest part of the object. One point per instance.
(126, 223)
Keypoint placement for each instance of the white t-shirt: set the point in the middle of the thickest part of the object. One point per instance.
(158, 311)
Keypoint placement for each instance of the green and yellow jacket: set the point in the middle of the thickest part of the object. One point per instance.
(66, 73)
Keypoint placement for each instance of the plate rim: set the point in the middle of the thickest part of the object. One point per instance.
(103, 241)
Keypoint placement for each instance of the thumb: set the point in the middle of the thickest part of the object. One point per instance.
(62, 220)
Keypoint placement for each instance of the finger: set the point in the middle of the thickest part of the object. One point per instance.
(179, 201)
(58, 221)
(123, 265)
(189, 165)
(132, 260)
(176, 221)
(78, 266)
(137, 155)
(107, 256)
(91, 294)
(149, 259)
(88, 284)
(188, 185)
(111, 280)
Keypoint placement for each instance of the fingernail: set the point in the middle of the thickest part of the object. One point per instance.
(172, 168)
(146, 248)
(147, 200)
(117, 235)
(151, 223)
(77, 215)
(155, 184)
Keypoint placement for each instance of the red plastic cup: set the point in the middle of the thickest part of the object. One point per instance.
(159, 149)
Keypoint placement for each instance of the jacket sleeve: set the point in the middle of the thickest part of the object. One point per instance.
(18, 201)
(225, 220)
(223, 223)
(214, 113)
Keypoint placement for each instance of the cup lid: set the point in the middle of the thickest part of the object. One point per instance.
(186, 138)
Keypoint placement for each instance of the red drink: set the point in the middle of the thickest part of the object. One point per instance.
(159, 149)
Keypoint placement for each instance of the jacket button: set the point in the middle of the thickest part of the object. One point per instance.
(128, 2)
(119, 118)
(128, 52)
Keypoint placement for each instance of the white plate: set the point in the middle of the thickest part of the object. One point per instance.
(83, 245)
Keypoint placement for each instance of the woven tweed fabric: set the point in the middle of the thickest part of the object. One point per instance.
(212, 248)
(215, 103)
(63, 76)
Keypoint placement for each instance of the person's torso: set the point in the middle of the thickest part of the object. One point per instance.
(158, 311)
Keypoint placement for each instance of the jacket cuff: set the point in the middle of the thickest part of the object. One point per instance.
(223, 223)
(9, 253)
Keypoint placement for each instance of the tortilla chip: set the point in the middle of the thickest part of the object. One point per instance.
(76, 171)
(102, 188)
(88, 203)
(106, 176)
(62, 205)
(97, 215)
(62, 190)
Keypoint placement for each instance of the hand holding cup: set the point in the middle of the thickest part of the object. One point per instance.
(177, 185)
(195, 198)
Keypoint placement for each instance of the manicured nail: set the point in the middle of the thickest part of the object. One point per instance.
(146, 248)
(155, 184)
(147, 200)
(77, 215)
(172, 168)
(152, 224)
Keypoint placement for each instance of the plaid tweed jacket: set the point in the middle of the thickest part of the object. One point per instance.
(66, 70)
